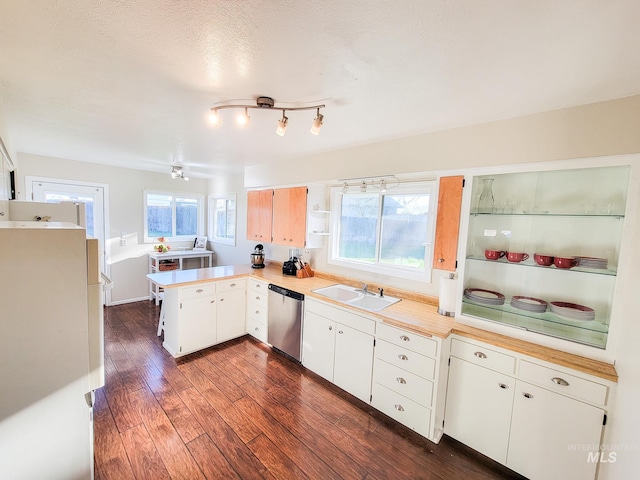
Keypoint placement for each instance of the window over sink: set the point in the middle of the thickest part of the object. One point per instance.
(384, 231)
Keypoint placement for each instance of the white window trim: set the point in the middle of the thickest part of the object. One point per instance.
(422, 275)
(212, 220)
(177, 238)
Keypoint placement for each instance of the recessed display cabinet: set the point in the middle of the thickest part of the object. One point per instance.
(543, 250)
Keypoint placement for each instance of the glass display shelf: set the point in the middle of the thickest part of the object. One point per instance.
(548, 214)
(592, 333)
(529, 263)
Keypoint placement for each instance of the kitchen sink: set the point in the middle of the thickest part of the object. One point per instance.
(356, 297)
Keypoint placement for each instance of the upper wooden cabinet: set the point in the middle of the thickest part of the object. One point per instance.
(290, 216)
(259, 215)
(448, 223)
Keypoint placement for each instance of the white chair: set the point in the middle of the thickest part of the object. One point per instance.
(161, 319)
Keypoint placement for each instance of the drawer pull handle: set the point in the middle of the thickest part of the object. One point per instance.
(401, 380)
(480, 355)
(399, 407)
(403, 357)
(560, 381)
(527, 395)
(199, 290)
(404, 338)
(503, 386)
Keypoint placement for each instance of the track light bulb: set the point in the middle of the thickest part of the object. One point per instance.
(244, 120)
(383, 185)
(282, 125)
(363, 187)
(345, 188)
(214, 118)
(317, 123)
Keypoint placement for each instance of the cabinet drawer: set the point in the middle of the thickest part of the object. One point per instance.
(258, 298)
(403, 382)
(364, 324)
(228, 285)
(480, 355)
(563, 383)
(413, 362)
(257, 329)
(257, 286)
(200, 290)
(409, 340)
(402, 409)
(257, 312)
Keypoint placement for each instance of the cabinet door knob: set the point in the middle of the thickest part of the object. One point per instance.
(212, 301)
(199, 290)
(404, 338)
(480, 355)
(222, 299)
(257, 298)
(257, 329)
(232, 285)
(504, 386)
(330, 328)
(340, 332)
(257, 312)
(560, 381)
(527, 395)
(403, 357)
(401, 380)
(399, 407)
(441, 260)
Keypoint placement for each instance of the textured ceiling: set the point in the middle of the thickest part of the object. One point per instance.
(130, 82)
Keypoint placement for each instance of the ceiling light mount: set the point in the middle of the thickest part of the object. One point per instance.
(267, 103)
(178, 172)
(381, 182)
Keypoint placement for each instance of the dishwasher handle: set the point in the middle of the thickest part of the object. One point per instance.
(286, 292)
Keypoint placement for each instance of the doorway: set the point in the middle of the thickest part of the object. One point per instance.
(93, 195)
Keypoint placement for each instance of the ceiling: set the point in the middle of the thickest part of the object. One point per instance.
(130, 83)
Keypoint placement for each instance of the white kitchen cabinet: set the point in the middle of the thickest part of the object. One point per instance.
(199, 316)
(338, 345)
(230, 309)
(577, 215)
(479, 404)
(406, 374)
(548, 432)
(257, 309)
(196, 320)
(522, 412)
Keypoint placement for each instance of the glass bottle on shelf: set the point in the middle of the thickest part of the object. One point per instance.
(486, 201)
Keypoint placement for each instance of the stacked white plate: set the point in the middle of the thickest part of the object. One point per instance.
(592, 262)
(480, 295)
(529, 304)
(573, 311)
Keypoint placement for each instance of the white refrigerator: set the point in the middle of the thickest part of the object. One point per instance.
(46, 344)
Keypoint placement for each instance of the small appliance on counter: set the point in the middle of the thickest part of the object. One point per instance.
(290, 267)
(257, 257)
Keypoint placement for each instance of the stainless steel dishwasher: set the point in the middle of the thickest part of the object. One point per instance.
(285, 320)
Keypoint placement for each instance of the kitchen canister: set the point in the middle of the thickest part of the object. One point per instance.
(447, 297)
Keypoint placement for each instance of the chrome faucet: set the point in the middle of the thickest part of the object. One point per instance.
(364, 288)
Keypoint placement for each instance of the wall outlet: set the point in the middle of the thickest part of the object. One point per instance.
(306, 255)
(123, 239)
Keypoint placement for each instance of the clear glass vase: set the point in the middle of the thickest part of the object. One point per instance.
(486, 202)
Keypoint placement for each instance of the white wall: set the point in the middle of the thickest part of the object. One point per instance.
(128, 265)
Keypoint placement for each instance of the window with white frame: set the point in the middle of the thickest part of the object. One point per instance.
(384, 231)
(174, 216)
(222, 218)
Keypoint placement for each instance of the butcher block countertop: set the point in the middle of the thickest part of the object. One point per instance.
(416, 312)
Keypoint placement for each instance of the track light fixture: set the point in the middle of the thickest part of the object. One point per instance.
(178, 172)
(383, 183)
(268, 104)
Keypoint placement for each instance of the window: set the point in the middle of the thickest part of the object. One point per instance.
(175, 216)
(387, 232)
(222, 218)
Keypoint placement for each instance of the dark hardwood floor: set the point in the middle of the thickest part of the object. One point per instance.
(239, 410)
